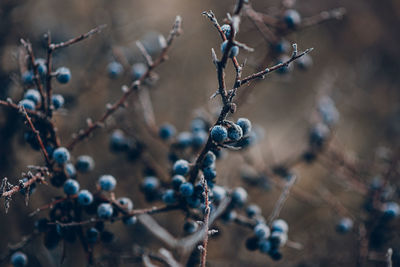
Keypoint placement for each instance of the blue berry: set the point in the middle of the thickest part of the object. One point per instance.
(234, 49)
(264, 246)
(118, 141)
(305, 62)
(253, 210)
(27, 104)
(275, 254)
(186, 189)
(286, 68)
(33, 95)
(292, 18)
(107, 182)
(226, 29)
(167, 131)
(177, 180)
(344, 225)
(198, 124)
(209, 173)
(239, 196)
(262, 231)
(114, 69)
(209, 159)
(181, 167)
(63, 75)
(57, 100)
(218, 193)
(41, 66)
(199, 139)
(27, 77)
(105, 210)
(19, 259)
(219, 133)
(129, 220)
(278, 239)
(318, 135)
(150, 184)
(245, 124)
(70, 170)
(169, 197)
(126, 203)
(282, 47)
(184, 139)
(85, 198)
(138, 70)
(85, 163)
(71, 187)
(391, 210)
(92, 235)
(327, 110)
(279, 225)
(61, 155)
(229, 216)
(190, 227)
(235, 132)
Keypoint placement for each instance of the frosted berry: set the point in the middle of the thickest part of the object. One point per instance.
(226, 29)
(61, 155)
(27, 104)
(344, 225)
(292, 18)
(105, 210)
(33, 95)
(114, 69)
(126, 203)
(84, 163)
(186, 189)
(235, 132)
(92, 235)
(107, 182)
(239, 196)
(234, 49)
(138, 70)
(27, 77)
(63, 75)
(85, 198)
(245, 124)
(279, 225)
(70, 170)
(262, 231)
(219, 134)
(177, 180)
(181, 167)
(19, 259)
(58, 101)
(169, 197)
(166, 131)
(71, 187)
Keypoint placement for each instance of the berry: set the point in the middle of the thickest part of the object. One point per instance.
(235, 132)
(107, 182)
(41, 66)
(129, 220)
(278, 239)
(279, 225)
(105, 210)
(61, 155)
(85, 198)
(218, 193)
(114, 69)
(166, 131)
(150, 184)
(198, 125)
(184, 139)
(305, 62)
(57, 100)
(33, 95)
(318, 135)
(209, 159)
(344, 225)
(285, 68)
(92, 235)
(27, 77)
(264, 246)
(239, 196)
(118, 141)
(219, 133)
(245, 124)
(292, 18)
(327, 110)
(63, 75)
(190, 227)
(262, 231)
(229, 216)
(234, 49)
(282, 47)
(27, 104)
(252, 243)
(126, 203)
(199, 139)
(70, 170)
(275, 254)
(253, 210)
(181, 167)
(391, 210)
(169, 197)
(71, 187)
(186, 189)
(226, 29)
(85, 163)
(209, 173)
(19, 259)
(138, 70)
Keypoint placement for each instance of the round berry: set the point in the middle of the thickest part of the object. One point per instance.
(190, 227)
(264, 246)
(169, 197)
(292, 18)
(138, 70)
(219, 133)
(177, 180)
(105, 210)
(129, 220)
(209, 173)
(150, 184)
(92, 235)
(282, 47)
(199, 139)
(391, 210)
(344, 225)
(235, 132)
(107, 182)
(126, 203)
(27, 77)
(186, 189)
(239, 196)
(19, 259)
(198, 125)
(285, 69)
(218, 193)
(318, 135)
(253, 210)
(27, 104)
(114, 69)
(181, 167)
(85, 163)
(262, 231)
(327, 110)
(209, 159)
(63, 75)
(279, 225)
(226, 29)
(61, 155)
(85, 198)
(184, 139)
(245, 124)
(70, 170)
(71, 187)
(57, 100)
(278, 239)
(118, 141)
(305, 62)
(234, 49)
(166, 131)
(33, 95)
(41, 66)
(229, 216)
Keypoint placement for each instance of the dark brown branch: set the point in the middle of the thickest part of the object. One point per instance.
(38, 177)
(206, 226)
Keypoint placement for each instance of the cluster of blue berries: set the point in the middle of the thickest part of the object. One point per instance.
(116, 69)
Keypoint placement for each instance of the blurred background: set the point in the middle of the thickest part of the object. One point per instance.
(356, 59)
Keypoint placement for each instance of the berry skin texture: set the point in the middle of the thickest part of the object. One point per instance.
(181, 167)
(262, 231)
(233, 52)
(107, 182)
(138, 70)
(85, 163)
(209, 159)
(105, 210)
(150, 184)
(292, 18)
(239, 196)
(166, 131)
(126, 203)
(114, 69)
(245, 124)
(57, 101)
(61, 155)
(318, 135)
(279, 225)
(235, 133)
(27, 104)
(278, 239)
(186, 189)
(85, 198)
(71, 187)
(226, 29)
(63, 75)
(19, 259)
(169, 197)
(219, 134)
(33, 95)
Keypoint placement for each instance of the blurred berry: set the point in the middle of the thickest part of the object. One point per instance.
(105, 210)
(85, 198)
(92, 235)
(278, 239)
(305, 62)
(209, 159)
(33, 95)
(177, 180)
(61, 155)
(41, 66)
(282, 47)
(245, 124)
(126, 203)
(138, 70)
(63, 75)
(218, 193)
(57, 100)
(118, 141)
(114, 69)
(235, 132)
(107, 182)
(27, 77)
(264, 246)
(169, 197)
(129, 220)
(199, 138)
(184, 139)
(344, 225)
(166, 131)
(190, 227)
(391, 210)
(279, 225)
(239, 196)
(186, 189)
(209, 173)
(318, 135)
(71, 187)
(27, 104)
(286, 68)
(19, 259)
(181, 167)
(70, 170)
(262, 231)
(226, 29)
(198, 125)
(84, 163)
(234, 49)
(150, 184)
(253, 210)
(292, 18)
(252, 243)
